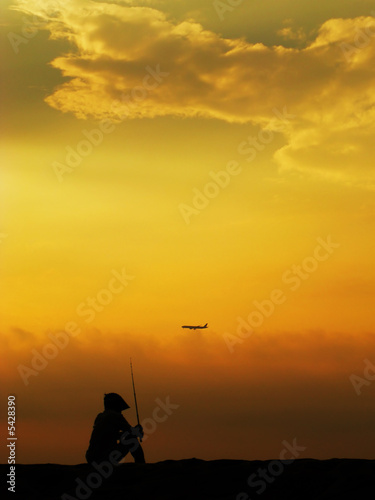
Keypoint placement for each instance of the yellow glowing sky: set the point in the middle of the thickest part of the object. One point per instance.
(172, 94)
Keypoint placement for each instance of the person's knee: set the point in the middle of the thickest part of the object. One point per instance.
(121, 451)
(88, 457)
(129, 442)
(138, 456)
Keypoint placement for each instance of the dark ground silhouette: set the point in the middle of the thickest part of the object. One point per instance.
(193, 479)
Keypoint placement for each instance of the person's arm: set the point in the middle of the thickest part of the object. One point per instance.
(138, 431)
(124, 425)
(135, 431)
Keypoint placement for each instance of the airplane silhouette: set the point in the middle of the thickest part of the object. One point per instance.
(195, 327)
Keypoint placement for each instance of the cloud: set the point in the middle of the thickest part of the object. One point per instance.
(132, 61)
(292, 34)
(276, 384)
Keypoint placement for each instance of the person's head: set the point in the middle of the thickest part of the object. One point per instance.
(113, 401)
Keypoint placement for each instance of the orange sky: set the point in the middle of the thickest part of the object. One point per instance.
(169, 163)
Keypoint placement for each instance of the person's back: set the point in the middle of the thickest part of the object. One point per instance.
(111, 432)
(108, 428)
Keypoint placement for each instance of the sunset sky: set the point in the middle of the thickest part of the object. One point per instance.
(173, 162)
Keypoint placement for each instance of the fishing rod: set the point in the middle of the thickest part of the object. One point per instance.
(135, 396)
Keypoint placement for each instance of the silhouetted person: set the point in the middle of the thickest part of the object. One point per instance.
(112, 433)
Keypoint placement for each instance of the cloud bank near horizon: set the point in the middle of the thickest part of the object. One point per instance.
(301, 380)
